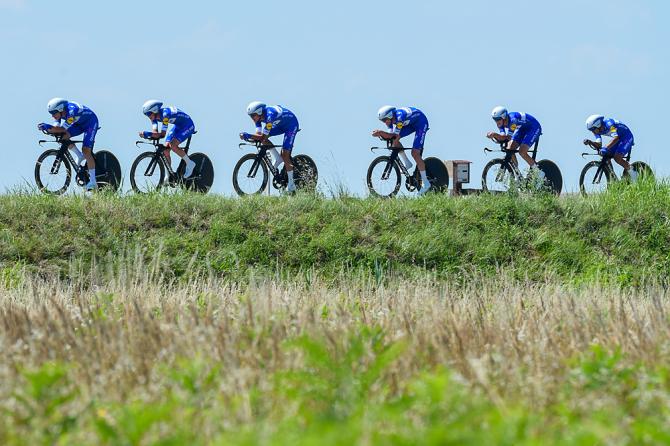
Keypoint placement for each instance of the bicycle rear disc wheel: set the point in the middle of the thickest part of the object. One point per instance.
(147, 173)
(498, 177)
(306, 173)
(203, 174)
(643, 170)
(437, 174)
(250, 175)
(383, 177)
(52, 173)
(553, 179)
(107, 170)
(594, 180)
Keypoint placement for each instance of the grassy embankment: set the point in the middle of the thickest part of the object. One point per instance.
(379, 338)
(622, 237)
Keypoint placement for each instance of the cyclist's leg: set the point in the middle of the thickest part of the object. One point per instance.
(287, 147)
(405, 131)
(90, 129)
(278, 159)
(514, 145)
(417, 153)
(74, 148)
(174, 138)
(526, 138)
(417, 146)
(621, 151)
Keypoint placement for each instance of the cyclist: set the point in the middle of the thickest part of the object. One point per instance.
(620, 146)
(403, 121)
(521, 129)
(274, 120)
(72, 119)
(182, 128)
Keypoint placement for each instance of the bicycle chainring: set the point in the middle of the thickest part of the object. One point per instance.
(82, 177)
(411, 183)
(280, 181)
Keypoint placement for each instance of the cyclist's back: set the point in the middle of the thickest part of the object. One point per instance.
(278, 119)
(613, 129)
(519, 121)
(76, 115)
(176, 117)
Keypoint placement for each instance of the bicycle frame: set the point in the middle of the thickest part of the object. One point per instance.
(395, 155)
(605, 165)
(63, 152)
(262, 156)
(160, 156)
(509, 156)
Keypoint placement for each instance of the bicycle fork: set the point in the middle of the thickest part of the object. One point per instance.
(599, 175)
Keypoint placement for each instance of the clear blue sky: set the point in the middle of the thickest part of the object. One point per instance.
(334, 64)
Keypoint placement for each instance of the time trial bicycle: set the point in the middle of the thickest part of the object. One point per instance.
(152, 170)
(598, 174)
(252, 171)
(385, 171)
(503, 174)
(54, 167)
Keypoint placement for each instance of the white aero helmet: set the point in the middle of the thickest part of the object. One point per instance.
(57, 105)
(594, 122)
(256, 108)
(386, 112)
(499, 112)
(151, 106)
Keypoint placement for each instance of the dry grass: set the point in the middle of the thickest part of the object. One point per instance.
(509, 338)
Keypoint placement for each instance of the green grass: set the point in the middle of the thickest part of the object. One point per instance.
(621, 237)
(345, 396)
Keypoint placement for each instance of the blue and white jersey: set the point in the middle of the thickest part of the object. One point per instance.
(171, 115)
(406, 116)
(516, 120)
(614, 129)
(276, 117)
(75, 114)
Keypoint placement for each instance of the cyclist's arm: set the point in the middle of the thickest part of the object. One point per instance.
(260, 137)
(597, 145)
(57, 130)
(155, 133)
(499, 137)
(386, 135)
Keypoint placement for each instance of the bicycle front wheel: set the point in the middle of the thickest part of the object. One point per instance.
(383, 177)
(595, 178)
(498, 177)
(250, 175)
(147, 173)
(52, 173)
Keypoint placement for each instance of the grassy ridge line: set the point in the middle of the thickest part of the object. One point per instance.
(620, 237)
